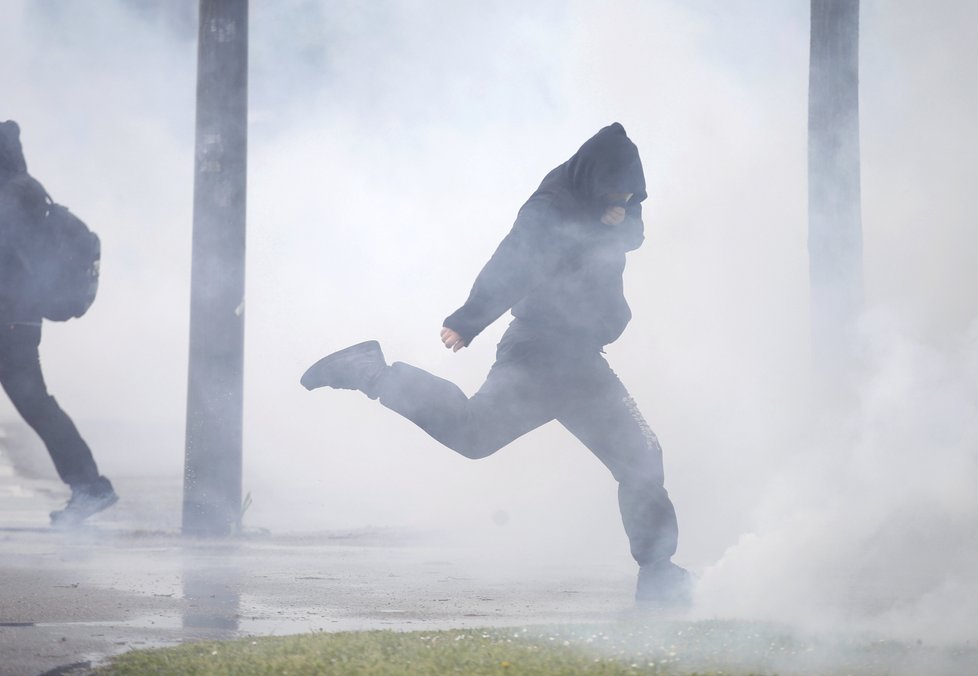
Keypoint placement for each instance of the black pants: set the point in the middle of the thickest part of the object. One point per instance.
(532, 383)
(22, 380)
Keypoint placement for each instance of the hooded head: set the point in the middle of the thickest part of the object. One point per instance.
(11, 153)
(607, 164)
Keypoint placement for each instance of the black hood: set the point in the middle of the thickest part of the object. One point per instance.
(607, 163)
(12, 160)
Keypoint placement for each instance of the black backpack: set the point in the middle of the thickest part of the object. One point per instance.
(64, 263)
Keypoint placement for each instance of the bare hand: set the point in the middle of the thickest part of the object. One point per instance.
(613, 215)
(452, 340)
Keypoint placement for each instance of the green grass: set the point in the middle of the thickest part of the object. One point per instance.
(656, 647)
(374, 653)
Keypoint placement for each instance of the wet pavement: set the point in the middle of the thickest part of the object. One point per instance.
(128, 580)
(71, 599)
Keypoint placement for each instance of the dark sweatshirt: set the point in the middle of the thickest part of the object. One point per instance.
(560, 268)
(22, 203)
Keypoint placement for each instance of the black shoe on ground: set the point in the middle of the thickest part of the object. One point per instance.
(664, 586)
(357, 367)
(86, 500)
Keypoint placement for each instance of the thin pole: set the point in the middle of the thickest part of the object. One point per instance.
(212, 469)
(834, 212)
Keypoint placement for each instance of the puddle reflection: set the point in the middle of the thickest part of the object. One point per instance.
(211, 589)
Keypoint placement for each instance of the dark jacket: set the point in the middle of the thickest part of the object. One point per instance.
(560, 269)
(22, 204)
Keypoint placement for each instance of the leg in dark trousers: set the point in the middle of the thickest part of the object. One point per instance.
(606, 420)
(22, 380)
(526, 388)
(536, 379)
(508, 405)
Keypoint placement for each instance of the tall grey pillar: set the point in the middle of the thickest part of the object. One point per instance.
(212, 469)
(834, 221)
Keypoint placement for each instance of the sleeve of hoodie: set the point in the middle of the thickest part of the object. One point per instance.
(521, 261)
(22, 203)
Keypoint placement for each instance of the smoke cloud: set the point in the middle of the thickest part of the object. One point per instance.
(390, 147)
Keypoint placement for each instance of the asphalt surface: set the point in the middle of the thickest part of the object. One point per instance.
(127, 579)
(72, 599)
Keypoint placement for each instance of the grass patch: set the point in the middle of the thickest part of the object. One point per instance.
(657, 647)
(375, 653)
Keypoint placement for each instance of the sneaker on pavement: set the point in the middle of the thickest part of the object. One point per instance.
(357, 367)
(86, 500)
(664, 586)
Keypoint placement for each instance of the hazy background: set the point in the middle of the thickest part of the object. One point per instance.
(391, 144)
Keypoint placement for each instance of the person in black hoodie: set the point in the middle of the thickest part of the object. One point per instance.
(23, 205)
(560, 272)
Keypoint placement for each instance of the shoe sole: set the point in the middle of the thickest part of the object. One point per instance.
(309, 379)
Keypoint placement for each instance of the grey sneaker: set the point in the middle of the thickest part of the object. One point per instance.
(86, 500)
(357, 367)
(664, 585)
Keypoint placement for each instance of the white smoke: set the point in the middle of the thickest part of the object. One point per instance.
(873, 523)
(389, 151)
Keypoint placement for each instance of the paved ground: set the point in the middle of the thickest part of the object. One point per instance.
(128, 580)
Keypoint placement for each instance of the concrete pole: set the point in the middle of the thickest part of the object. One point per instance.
(212, 469)
(834, 210)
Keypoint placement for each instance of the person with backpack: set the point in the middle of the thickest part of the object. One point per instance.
(27, 242)
(559, 270)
